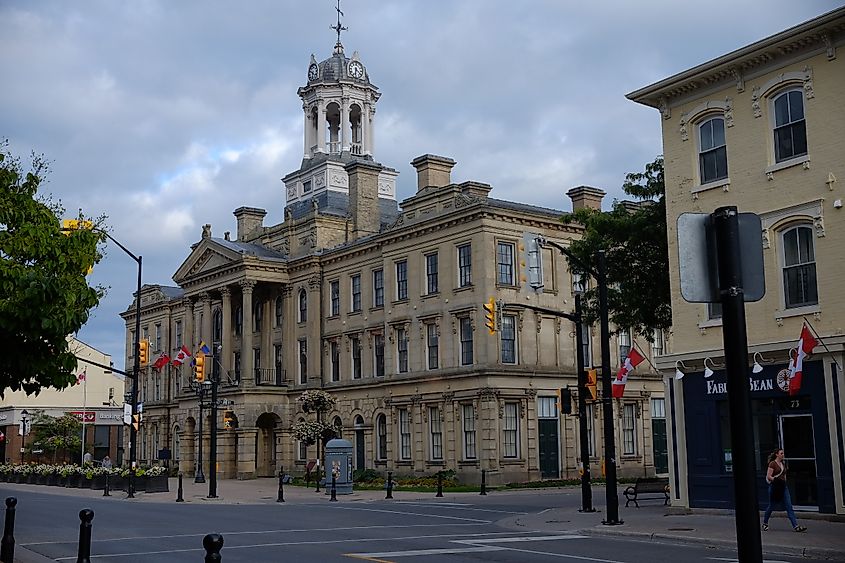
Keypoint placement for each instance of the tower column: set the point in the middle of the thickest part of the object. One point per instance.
(365, 130)
(205, 333)
(248, 373)
(226, 356)
(321, 126)
(306, 149)
(344, 124)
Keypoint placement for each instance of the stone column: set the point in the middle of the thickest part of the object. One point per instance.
(247, 371)
(188, 333)
(186, 461)
(321, 126)
(290, 344)
(315, 340)
(365, 130)
(226, 355)
(306, 132)
(344, 124)
(246, 452)
(197, 334)
(205, 335)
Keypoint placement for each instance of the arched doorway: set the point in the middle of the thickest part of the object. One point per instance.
(266, 450)
(360, 457)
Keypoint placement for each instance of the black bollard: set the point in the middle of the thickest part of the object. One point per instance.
(106, 492)
(333, 498)
(212, 543)
(130, 484)
(484, 482)
(7, 546)
(281, 497)
(84, 553)
(439, 484)
(179, 497)
(389, 485)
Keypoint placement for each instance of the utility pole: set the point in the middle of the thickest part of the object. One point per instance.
(586, 489)
(212, 464)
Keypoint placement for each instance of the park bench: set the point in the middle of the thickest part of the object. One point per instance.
(653, 486)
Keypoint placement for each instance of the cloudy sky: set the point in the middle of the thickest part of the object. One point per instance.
(166, 115)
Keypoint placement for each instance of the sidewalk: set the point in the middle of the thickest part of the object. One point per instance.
(825, 538)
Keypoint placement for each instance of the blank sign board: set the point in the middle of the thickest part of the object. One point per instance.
(698, 261)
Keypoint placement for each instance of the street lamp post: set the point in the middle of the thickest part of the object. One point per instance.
(212, 463)
(24, 421)
(199, 476)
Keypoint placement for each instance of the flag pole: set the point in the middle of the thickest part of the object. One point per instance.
(819, 338)
(644, 355)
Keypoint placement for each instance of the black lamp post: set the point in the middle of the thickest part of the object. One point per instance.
(202, 389)
(24, 421)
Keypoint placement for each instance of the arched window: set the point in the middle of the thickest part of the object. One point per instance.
(257, 315)
(217, 326)
(359, 422)
(239, 320)
(790, 129)
(303, 306)
(712, 152)
(337, 423)
(381, 436)
(176, 443)
(278, 311)
(302, 450)
(799, 267)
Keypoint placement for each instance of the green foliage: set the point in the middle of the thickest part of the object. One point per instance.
(44, 294)
(636, 247)
(63, 434)
(367, 476)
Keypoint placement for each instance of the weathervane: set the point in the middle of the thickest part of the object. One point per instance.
(338, 28)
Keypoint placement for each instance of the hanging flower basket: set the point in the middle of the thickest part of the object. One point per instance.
(316, 400)
(309, 431)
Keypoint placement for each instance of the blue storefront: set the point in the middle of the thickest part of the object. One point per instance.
(799, 424)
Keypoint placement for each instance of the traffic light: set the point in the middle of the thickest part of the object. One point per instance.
(199, 367)
(565, 400)
(136, 421)
(490, 315)
(144, 352)
(591, 384)
(229, 419)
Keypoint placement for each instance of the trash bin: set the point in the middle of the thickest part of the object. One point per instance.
(339, 464)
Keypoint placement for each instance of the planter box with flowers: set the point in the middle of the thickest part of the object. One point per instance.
(155, 479)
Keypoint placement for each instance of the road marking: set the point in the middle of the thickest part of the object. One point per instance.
(522, 539)
(356, 556)
(418, 552)
(737, 560)
(413, 514)
(562, 555)
(461, 507)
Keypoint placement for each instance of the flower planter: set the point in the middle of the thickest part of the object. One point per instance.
(73, 480)
(98, 483)
(52, 480)
(140, 483)
(157, 484)
(61, 480)
(40, 479)
(85, 483)
(117, 483)
(32, 479)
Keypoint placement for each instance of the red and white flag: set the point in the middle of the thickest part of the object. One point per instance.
(161, 361)
(633, 360)
(181, 356)
(806, 343)
(80, 377)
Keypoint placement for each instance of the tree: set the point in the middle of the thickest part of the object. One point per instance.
(57, 435)
(44, 293)
(635, 241)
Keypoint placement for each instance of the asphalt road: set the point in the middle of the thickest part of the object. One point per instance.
(472, 530)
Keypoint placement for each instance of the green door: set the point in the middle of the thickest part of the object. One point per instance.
(660, 450)
(549, 466)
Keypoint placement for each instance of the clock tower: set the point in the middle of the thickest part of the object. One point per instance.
(339, 106)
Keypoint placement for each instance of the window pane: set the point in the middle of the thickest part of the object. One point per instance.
(706, 135)
(790, 247)
(508, 333)
(796, 106)
(718, 132)
(799, 138)
(781, 110)
(504, 263)
(658, 408)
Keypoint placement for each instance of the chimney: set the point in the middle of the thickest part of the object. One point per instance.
(433, 171)
(363, 198)
(586, 197)
(250, 219)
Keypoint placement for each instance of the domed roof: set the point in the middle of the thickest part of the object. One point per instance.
(338, 67)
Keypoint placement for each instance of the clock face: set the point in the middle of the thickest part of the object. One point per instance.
(312, 72)
(356, 69)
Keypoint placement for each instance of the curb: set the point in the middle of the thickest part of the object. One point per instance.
(24, 555)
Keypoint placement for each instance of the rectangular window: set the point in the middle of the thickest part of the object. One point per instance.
(624, 344)
(334, 291)
(629, 431)
(145, 333)
(714, 311)
(587, 345)
(334, 350)
(658, 408)
(356, 357)
(178, 335)
(508, 332)
(239, 320)
(790, 126)
(433, 345)
(303, 451)
(713, 154)
(158, 337)
(504, 263)
(306, 186)
(303, 361)
(431, 273)
(591, 434)
(378, 345)
(256, 359)
(404, 434)
(279, 311)
(402, 350)
(659, 345)
(466, 341)
(436, 427)
(378, 288)
(510, 429)
(157, 379)
(236, 365)
(799, 267)
(303, 306)
(580, 283)
(258, 316)
(468, 419)
(356, 293)
(277, 360)
(465, 265)
(401, 280)
(547, 407)
(381, 423)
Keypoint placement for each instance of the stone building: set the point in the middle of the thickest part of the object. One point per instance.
(761, 128)
(380, 304)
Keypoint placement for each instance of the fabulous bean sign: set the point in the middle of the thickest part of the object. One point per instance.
(770, 383)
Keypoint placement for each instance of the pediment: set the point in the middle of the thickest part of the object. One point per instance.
(206, 257)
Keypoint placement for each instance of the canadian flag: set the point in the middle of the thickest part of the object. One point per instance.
(80, 377)
(181, 356)
(806, 343)
(633, 360)
(162, 361)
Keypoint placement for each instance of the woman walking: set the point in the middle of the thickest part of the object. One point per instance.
(778, 491)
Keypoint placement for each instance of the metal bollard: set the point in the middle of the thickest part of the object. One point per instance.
(84, 553)
(439, 484)
(281, 497)
(179, 497)
(212, 543)
(106, 492)
(130, 484)
(333, 498)
(483, 482)
(389, 485)
(7, 546)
